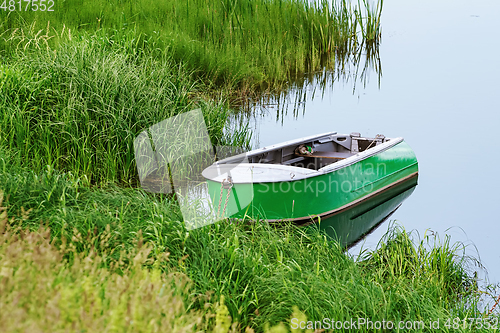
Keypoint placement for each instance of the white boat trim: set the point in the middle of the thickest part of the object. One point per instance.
(361, 156)
(248, 173)
(276, 146)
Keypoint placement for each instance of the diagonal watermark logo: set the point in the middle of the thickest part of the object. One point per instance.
(171, 156)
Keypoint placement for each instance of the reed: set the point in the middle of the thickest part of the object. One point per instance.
(239, 43)
(261, 271)
(80, 107)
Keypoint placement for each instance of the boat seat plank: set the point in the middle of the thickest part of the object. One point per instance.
(331, 154)
(293, 160)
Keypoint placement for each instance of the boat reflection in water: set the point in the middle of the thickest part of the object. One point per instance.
(353, 225)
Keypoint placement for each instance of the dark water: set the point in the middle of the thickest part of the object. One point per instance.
(440, 90)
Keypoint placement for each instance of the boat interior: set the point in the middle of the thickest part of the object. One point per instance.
(313, 152)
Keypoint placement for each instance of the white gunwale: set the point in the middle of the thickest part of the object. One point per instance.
(247, 173)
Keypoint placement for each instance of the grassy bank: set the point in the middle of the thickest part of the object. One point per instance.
(78, 90)
(263, 273)
(41, 292)
(82, 249)
(80, 108)
(239, 43)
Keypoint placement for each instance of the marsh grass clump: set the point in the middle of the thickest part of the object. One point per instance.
(79, 88)
(80, 107)
(235, 43)
(442, 264)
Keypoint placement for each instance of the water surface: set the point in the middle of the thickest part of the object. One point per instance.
(439, 90)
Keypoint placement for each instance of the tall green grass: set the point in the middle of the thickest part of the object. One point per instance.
(49, 288)
(236, 42)
(262, 271)
(79, 108)
(80, 83)
(74, 99)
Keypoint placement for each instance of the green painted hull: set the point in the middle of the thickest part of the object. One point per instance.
(353, 224)
(343, 202)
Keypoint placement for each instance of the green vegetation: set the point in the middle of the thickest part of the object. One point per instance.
(233, 42)
(82, 249)
(262, 272)
(80, 83)
(81, 108)
(39, 292)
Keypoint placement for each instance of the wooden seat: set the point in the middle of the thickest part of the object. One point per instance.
(294, 160)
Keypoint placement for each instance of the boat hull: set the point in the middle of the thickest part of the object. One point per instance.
(335, 201)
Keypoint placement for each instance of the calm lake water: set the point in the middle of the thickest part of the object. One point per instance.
(439, 89)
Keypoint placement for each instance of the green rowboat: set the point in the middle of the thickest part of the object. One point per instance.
(343, 184)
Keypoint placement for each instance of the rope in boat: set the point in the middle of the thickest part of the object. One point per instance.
(228, 185)
(494, 306)
(376, 137)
